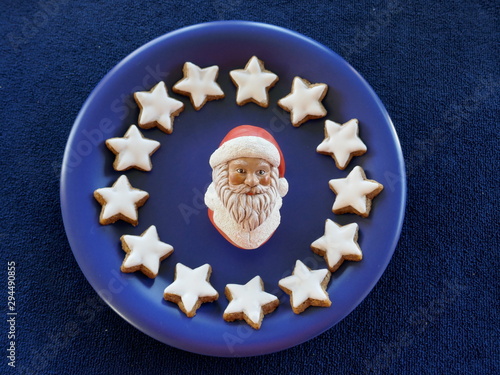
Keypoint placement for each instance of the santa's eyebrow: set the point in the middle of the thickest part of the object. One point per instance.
(239, 163)
(263, 164)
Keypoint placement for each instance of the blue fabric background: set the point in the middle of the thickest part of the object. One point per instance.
(435, 66)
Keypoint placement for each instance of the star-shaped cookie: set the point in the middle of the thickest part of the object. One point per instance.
(157, 108)
(191, 288)
(304, 101)
(339, 243)
(120, 202)
(249, 302)
(342, 142)
(354, 193)
(199, 84)
(306, 287)
(133, 150)
(144, 252)
(253, 83)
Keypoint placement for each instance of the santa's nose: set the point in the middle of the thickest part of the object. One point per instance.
(251, 180)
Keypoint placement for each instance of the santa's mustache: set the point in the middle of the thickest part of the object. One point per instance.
(245, 189)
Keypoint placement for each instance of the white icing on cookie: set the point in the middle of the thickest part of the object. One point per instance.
(157, 108)
(144, 252)
(249, 299)
(199, 84)
(191, 287)
(354, 193)
(120, 201)
(304, 101)
(338, 243)
(342, 142)
(306, 286)
(253, 83)
(133, 150)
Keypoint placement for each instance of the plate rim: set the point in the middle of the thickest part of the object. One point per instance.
(239, 24)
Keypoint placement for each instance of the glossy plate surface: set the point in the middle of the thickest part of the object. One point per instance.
(181, 174)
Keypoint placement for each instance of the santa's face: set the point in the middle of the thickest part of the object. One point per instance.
(247, 187)
(245, 196)
(251, 172)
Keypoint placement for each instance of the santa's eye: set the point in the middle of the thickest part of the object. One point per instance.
(240, 170)
(261, 172)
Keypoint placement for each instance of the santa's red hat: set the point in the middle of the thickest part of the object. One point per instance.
(247, 141)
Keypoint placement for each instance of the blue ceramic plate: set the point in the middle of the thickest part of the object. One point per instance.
(181, 174)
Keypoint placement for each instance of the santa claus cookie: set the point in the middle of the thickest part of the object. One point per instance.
(339, 243)
(306, 287)
(245, 197)
(304, 101)
(144, 252)
(354, 193)
(133, 150)
(342, 142)
(191, 288)
(253, 83)
(157, 108)
(249, 302)
(199, 84)
(120, 202)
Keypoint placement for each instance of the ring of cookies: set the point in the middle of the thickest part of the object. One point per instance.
(258, 156)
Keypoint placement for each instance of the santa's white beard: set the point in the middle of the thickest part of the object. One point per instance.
(249, 211)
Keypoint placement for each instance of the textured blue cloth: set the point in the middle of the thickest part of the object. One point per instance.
(435, 66)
